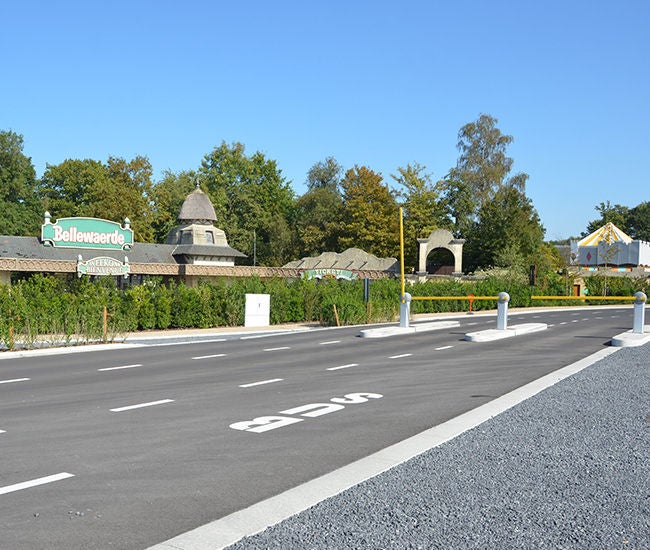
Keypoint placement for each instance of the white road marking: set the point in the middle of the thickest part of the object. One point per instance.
(576, 321)
(34, 483)
(120, 368)
(277, 349)
(444, 347)
(563, 323)
(330, 342)
(472, 324)
(344, 366)
(14, 380)
(261, 382)
(400, 356)
(209, 356)
(141, 405)
(3, 431)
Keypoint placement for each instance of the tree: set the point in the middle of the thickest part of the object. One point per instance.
(325, 175)
(371, 213)
(113, 191)
(508, 233)
(126, 193)
(616, 214)
(481, 170)
(639, 221)
(319, 215)
(253, 202)
(20, 211)
(66, 189)
(424, 208)
(167, 197)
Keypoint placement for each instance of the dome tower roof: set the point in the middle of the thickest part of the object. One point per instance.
(197, 208)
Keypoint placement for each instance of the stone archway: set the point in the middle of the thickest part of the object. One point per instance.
(441, 238)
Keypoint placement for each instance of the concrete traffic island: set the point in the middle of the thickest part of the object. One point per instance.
(384, 332)
(631, 339)
(503, 331)
(640, 334)
(498, 334)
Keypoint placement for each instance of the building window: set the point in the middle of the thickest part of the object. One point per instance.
(209, 237)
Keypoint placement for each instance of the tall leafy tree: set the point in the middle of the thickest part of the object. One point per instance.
(639, 221)
(508, 233)
(113, 191)
(371, 213)
(20, 211)
(482, 169)
(319, 215)
(126, 193)
(424, 207)
(616, 214)
(66, 189)
(254, 201)
(325, 175)
(319, 212)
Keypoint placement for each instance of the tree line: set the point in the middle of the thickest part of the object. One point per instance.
(479, 199)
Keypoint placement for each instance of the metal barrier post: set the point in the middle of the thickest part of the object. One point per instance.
(405, 310)
(639, 312)
(502, 311)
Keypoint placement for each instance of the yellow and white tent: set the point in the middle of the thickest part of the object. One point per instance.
(608, 233)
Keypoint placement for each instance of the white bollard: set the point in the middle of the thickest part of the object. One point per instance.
(639, 312)
(502, 311)
(405, 310)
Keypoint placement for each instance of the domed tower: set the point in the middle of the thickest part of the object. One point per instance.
(198, 240)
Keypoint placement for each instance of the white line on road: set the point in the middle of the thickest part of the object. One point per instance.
(444, 347)
(34, 483)
(209, 356)
(400, 356)
(141, 405)
(120, 368)
(14, 380)
(277, 349)
(330, 342)
(261, 382)
(344, 366)
(3, 431)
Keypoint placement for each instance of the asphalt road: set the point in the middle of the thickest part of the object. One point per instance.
(204, 445)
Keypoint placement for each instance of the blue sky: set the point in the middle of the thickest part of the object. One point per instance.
(373, 83)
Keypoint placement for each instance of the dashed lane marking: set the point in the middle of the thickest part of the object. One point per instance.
(121, 367)
(209, 356)
(443, 347)
(344, 366)
(277, 349)
(400, 356)
(14, 380)
(261, 382)
(34, 483)
(330, 342)
(142, 405)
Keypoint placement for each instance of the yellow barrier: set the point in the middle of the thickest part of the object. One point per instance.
(494, 298)
(614, 298)
(441, 298)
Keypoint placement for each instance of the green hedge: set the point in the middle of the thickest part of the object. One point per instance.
(46, 308)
